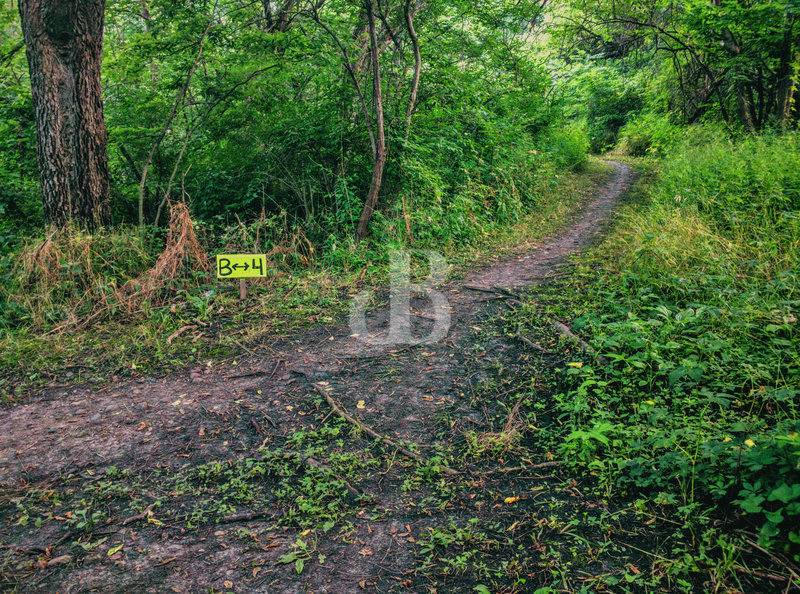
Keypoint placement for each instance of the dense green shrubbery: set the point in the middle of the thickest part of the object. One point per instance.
(697, 313)
(650, 133)
(610, 100)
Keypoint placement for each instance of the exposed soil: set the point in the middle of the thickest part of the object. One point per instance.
(125, 447)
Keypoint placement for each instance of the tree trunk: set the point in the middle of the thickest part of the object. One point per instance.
(786, 75)
(64, 41)
(745, 110)
(412, 34)
(379, 156)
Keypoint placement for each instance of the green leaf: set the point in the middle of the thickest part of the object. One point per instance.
(675, 375)
(299, 564)
(116, 549)
(751, 504)
(784, 493)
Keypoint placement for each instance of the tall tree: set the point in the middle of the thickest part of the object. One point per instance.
(64, 41)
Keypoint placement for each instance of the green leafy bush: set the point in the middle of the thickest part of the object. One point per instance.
(611, 101)
(649, 133)
(697, 314)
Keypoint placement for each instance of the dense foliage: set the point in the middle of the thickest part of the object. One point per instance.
(696, 313)
(243, 111)
(272, 120)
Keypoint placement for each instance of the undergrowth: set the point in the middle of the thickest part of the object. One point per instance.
(121, 302)
(693, 301)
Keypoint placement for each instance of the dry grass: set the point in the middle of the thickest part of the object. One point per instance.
(677, 239)
(73, 278)
(504, 440)
(182, 251)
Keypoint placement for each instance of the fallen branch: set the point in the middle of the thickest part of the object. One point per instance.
(148, 511)
(180, 331)
(585, 347)
(784, 564)
(533, 345)
(372, 433)
(481, 289)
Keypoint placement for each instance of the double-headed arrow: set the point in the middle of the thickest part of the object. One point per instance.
(244, 266)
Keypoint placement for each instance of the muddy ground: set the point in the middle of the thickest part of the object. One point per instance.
(240, 476)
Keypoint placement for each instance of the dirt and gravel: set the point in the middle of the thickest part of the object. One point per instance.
(63, 446)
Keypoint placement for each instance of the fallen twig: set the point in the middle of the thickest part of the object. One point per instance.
(372, 433)
(508, 292)
(529, 466)
(585, 346)
(256, 373)
(545, 464)
(769, 576)
(242, 517)
(784, 564)
(533, 345)
(44, 548)
(180, 331)
(148, 510)
(481, 289)
(498, 293)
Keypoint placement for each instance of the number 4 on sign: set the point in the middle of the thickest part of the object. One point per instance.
(241, 266)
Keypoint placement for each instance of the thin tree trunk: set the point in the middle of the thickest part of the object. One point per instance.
(786, 75)
(379, 159)
(746, 110)
(412, 34)
(178, 102)
(353, 78)
(63, 42)
(283, 23)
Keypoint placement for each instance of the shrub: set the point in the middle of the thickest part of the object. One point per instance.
(697, 313)
(649, 134)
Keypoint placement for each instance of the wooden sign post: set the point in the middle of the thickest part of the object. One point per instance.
(241, 266)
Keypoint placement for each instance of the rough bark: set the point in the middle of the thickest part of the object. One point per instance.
(63, 42)
(282, 20)
(379, 157)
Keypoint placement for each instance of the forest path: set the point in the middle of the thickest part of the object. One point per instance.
(139, 443)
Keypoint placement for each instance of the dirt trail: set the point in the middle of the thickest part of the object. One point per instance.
(63, 440)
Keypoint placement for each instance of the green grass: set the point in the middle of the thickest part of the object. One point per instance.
(693, 299)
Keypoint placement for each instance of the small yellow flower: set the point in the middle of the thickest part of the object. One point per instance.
(749, 443)
(650, 402)
(576, 364)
